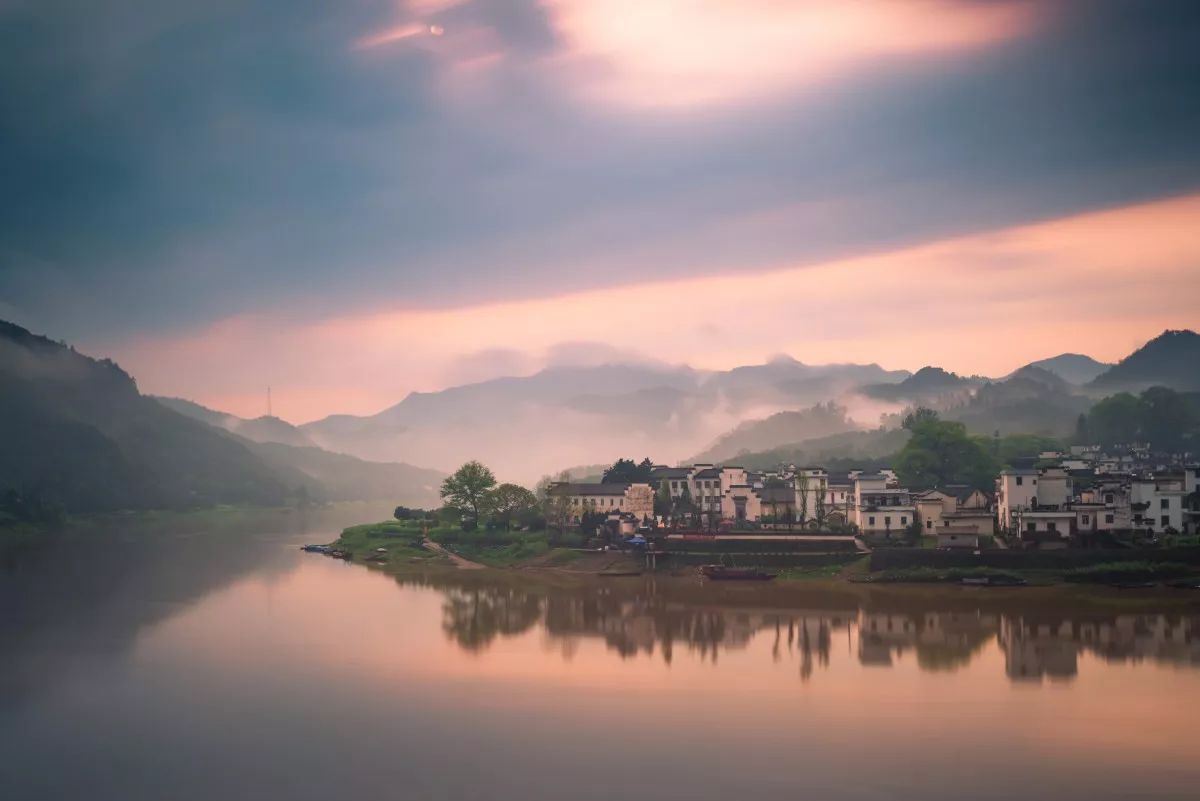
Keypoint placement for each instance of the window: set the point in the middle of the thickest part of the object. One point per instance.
(903, 520)
(1052, 526)
(928, 524)
(1086, 520)
(1020, 481)
(1165, 503)
(1166, 520)
(1031, 527)
(1108, 497)
(870, 521)
(1035, 481)
(887, 520)
(1108, 519)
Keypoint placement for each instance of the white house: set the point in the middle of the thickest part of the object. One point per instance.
(1016, 491)
(879, 508)
(635, 499)
(1158, 504)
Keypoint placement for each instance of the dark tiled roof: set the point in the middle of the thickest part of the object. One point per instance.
(709, 472)
(777, 495)
(589, 489)
(659, 473)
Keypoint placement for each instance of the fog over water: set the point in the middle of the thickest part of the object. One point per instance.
(191, 664)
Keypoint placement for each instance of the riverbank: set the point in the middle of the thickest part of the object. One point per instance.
(402, 549)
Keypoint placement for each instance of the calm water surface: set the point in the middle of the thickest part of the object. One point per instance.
(183, 664)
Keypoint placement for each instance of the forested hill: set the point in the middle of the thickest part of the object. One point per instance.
(1172, 359)
(77, 431)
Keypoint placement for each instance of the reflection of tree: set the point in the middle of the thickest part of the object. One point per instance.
(473, 618)
(638, 618)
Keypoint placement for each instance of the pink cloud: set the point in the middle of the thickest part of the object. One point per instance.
(1099, 283)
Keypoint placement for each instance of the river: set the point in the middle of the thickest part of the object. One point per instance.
(165, 662)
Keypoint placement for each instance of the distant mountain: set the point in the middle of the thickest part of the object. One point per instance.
(585, 415)
(759, 435)
(1172, 359)
(1030, 401)
(259, 429)
(75, 429)
(1074, 368)
(842, 451)
(339, 477)
(324, 474)
(924, 386)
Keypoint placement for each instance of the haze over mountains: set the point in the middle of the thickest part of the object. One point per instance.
(566, 416)
(76, 430)
(79, 425)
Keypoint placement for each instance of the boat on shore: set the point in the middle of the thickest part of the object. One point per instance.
(1185, 584)
(723, 573)
(328, 550)
(993, 581)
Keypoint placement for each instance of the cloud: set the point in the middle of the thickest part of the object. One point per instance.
(591, 354)
(988, 303)
(511, 159)
(489, 363)
(684, 53)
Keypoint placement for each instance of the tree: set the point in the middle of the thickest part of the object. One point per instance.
(802, 488)
(468, 490)
(1168, 418)
(1115, 420)
(556, 506)
(940, 452)
(509, 501)
(662, 500)
(685, 506)
(625, 471)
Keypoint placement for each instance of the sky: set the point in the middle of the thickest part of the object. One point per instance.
(351, 201)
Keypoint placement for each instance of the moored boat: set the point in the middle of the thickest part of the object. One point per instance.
(315, 548)
(723, 573)
(993, 581)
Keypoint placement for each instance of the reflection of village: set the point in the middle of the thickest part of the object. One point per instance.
(1035, 645)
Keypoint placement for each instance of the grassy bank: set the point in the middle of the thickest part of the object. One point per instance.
(387, 542)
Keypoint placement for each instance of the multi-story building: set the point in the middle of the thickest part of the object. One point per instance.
(880, 508)
(811, 488)
(633, 499)
(1158, 504)
(1016, 491)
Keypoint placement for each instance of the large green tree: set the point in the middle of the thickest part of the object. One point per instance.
(469, 490)
(510, 501)
(1168, 420)
(940, 452)
(1116, 419)
(626, 471)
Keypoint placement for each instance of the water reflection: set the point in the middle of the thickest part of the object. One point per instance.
(647, 617)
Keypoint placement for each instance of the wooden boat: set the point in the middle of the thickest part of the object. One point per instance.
(723, 573)
(315, 548)
(993, 581)
(618, 573)
(1185, 584)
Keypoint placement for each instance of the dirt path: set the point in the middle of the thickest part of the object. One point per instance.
(465, 564)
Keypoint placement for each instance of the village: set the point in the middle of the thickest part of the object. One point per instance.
(1080, 498)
